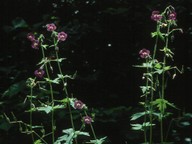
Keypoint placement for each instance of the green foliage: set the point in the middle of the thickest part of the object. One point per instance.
(138, 115)
(69, 136)
(14, 89)
(144, 65)
(141, 126)
(97, 141)
(155, 105)
(17, 23)
(159, 34)
(4, 125)
(38, 142)
(161, 104)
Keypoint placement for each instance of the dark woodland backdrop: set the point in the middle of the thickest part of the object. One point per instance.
(105, 37)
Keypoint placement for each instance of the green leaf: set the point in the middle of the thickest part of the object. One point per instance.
(61, 59)
(185, 123)
(144, 65)
(137, 115)
(167, 68)
(19, 23)
(136, 126)
(60, 76)
(44, 46)
(46, 109)
(158, 33)
(14, 89)
(81, 133)
(43, 61)
(38, 142)
(158, 66)
(36, 127)
(162, 104)
(159, 71)
(141, 126)
(55, 81)
(4, 124)
(59, 106)
(145, 89)
(161, 36)
(147, 124)
(153, 34)
(97, 141)
(69, 135)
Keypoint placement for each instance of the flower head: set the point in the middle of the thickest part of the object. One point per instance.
(35, 44)
(51, 27)
(78, 104)
(39, 73)
(31, 36)
(172, 16)
(87, 120)
(144, 53)
(156, 16)
(62, 36)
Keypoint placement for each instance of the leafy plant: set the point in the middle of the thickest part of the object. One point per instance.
(44, 95)
(153, 91)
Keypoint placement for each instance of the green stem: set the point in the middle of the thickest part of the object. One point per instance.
(163, 83)
(152, 86)
(151, 113)
(145, 105)
(31, 114)
(52, 99)
(156, 41)
(92, 129)
(67, 95)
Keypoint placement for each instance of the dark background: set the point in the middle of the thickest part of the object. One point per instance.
(104, 38)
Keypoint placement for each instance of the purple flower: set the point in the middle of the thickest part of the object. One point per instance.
(172, 16)
(78, 104)
(39, 73)
(51, 27)
(62, 36)
(156, 16)
(31, 36)
(87, 120)
(144, 53)
(35, 44)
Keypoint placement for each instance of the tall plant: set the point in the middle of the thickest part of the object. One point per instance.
(46, 96)
(157, 66)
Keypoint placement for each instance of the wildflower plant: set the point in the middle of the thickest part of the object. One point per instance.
(156, 65)
(47, 80)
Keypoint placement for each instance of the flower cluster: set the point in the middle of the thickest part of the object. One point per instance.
(167, 17)
(144, 53)
(61, 36)
(79, 104)
(39, 73)
(156, 16)
(172, 16)
(34, 42)
(87, 120)
(51, 27)
(48, 43)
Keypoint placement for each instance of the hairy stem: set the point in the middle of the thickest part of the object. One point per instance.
(145, 106)
(52, 98)
(163, 83)
(66, 93)
(152, 90)
(92, 129)
(31, 114)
